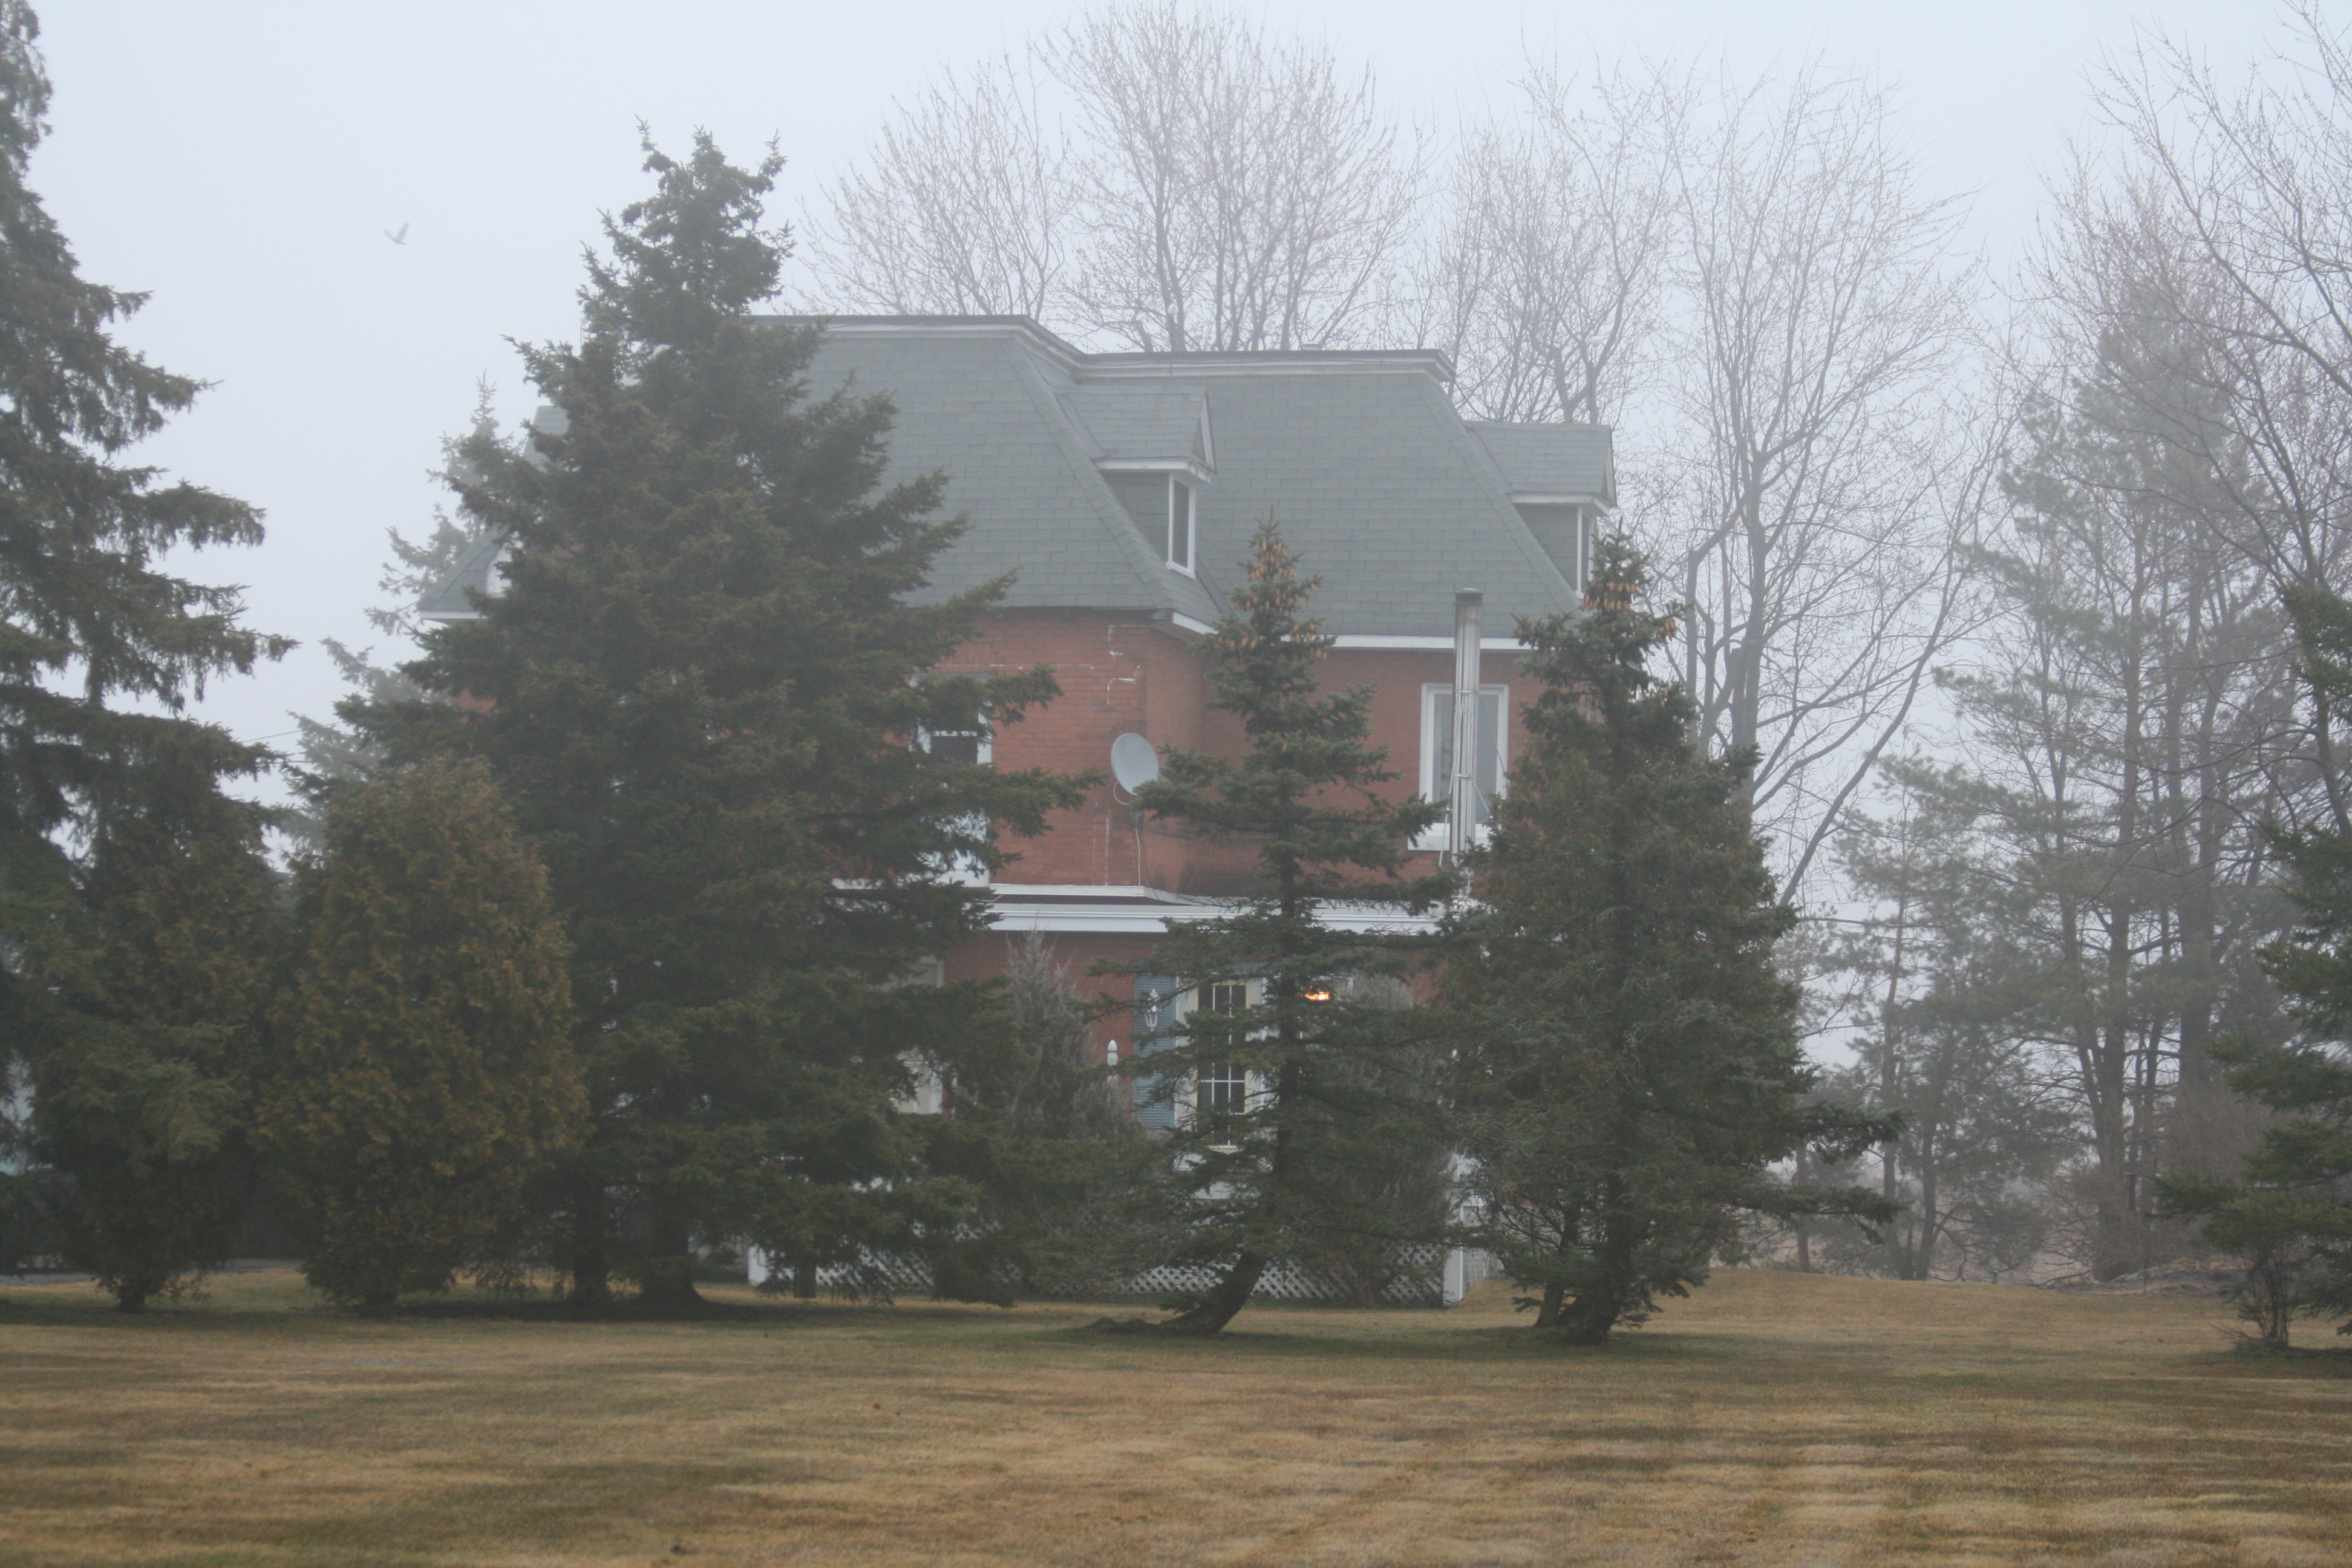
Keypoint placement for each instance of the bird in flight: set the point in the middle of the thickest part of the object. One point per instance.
(399, 239)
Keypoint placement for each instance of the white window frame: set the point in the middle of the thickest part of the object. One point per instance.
(1190, 1001)
(1180, 491)
(1441, 791)
(965, 870)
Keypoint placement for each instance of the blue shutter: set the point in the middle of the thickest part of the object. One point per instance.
(1155, 1102)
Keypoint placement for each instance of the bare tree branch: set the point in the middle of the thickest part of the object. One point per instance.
(963, 207)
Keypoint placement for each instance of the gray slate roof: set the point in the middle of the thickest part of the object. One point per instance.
(1140, 424)
(1380, 484)
(1551, 459)
(446, 601)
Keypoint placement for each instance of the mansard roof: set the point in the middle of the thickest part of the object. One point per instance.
(1385, 490)
(1388, 494)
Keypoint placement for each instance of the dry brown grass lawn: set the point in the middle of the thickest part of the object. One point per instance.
(1772, 1419)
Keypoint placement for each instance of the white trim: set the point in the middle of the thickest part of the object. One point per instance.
(1082, 911)
(1563, 497)
(1190, 468)
(1184, 623)
(1191, 527)
(1434, 835)
(1378, 640)
(1186, 1004)
(1070, 358)
(964, 868)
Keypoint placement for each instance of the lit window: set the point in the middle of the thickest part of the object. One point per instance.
(1489, 774)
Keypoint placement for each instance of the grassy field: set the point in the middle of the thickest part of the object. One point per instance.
(1772, 1419)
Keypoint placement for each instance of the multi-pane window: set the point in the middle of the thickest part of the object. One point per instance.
(973, 748)
(1492, 759)
(1220, 1090)
(969, 746)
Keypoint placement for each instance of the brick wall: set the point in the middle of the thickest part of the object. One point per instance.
(1122, 674)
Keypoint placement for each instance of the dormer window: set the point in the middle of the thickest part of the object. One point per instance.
(1564, 529)
(1179, 524)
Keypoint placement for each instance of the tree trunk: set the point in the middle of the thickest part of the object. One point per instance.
(592, 1257)
(1222, 1304)
(1232, 1292)
(666, 1277)
(1922, 1261)
(1588, 1319)
(804, 1276)
(1804, 1240)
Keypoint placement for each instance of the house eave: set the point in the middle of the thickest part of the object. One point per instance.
(1083, 910)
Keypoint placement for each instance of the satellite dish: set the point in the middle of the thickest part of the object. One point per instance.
(1133, 762)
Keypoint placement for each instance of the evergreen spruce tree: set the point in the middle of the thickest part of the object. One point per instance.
(1289, 1054)
(1048, 1145)
(2289, 1215)
(101, 772)
(707, 690)
(141, 1119)
(1630, 1057)
(1937, 971)
(425, 1068)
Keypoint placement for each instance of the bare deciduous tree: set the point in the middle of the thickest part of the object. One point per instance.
(1214, 188)
(2231, 230)
(1240, 191)
(962, 208)
(1544, 282)
(1827, 473)
(1746, 280)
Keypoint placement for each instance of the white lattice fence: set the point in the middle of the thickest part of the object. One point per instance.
(1424, 1275)
(1417, 1281)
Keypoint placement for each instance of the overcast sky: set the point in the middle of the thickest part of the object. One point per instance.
(244, 163)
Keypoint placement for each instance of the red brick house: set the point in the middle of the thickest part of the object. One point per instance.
(1122, 488)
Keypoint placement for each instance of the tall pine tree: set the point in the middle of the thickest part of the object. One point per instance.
(1630, 1057)
(705, 690)
(1290, 1051)
(2289, 1214)
(107, 791)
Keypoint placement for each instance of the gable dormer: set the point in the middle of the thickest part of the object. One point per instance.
(1560, 478)
(1153, 446)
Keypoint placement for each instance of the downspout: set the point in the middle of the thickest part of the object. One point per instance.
(1469, 605)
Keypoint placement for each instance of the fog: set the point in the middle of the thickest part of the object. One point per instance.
(249, 164)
